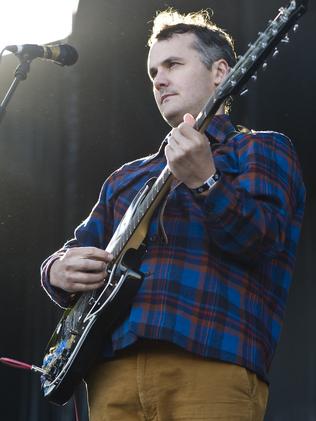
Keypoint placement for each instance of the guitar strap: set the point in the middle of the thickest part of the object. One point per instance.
(81, 402)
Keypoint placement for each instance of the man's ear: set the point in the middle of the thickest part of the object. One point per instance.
(220, 70)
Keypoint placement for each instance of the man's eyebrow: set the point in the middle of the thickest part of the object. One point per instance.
(166, 62)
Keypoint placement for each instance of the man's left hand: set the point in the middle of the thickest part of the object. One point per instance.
(189, 154)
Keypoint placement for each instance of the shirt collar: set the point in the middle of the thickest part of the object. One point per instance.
(219, 128)
(217, 131)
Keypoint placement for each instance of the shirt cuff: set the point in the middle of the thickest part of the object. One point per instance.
(57, 295)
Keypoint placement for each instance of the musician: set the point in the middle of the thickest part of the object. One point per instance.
(198, 341)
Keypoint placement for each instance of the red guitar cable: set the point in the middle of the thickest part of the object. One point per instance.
(25, 366)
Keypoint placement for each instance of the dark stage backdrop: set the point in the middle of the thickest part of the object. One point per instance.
(66, 129)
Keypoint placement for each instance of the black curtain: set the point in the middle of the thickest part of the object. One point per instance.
(66, 129)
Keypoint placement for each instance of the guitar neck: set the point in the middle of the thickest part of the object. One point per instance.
(150, 199)
(244, 69)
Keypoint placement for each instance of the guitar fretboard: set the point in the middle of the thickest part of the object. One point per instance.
(125, 232)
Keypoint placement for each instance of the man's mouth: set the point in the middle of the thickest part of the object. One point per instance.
(164, 97)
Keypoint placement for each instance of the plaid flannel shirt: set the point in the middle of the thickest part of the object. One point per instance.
(218, 286)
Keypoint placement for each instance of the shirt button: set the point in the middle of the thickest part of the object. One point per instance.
(154, 238)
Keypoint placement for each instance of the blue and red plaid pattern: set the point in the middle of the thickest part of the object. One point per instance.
(218, 286)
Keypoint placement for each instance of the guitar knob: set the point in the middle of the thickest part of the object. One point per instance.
(286, 39)
(91, 301)
(53, 371)
(275, 53)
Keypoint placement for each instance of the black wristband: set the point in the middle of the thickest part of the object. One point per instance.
(208, 184)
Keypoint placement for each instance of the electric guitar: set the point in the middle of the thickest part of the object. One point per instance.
(77, 341)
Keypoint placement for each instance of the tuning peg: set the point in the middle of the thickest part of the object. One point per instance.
(233, 83)
(286, 39)
(295, 27)
(254, 77)
(244, 92)
(265, 65)
(275, 53)
(282, 11)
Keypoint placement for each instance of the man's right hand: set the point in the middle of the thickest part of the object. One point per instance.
(80, 269)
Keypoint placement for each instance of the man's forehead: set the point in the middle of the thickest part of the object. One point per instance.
(176, 46)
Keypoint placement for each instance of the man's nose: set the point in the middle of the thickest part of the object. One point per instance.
(160, 80)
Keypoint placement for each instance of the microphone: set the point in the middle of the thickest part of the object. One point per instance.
(63, 54)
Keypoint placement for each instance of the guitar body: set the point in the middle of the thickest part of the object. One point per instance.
(80, 334)
(71, 352)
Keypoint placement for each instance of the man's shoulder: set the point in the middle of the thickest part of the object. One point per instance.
(134, 171)
(261, 137)
(138, 163)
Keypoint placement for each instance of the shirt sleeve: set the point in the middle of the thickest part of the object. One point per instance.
(251, 209)
(94, 231)
(62, 298)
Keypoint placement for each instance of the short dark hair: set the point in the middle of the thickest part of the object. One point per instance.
(213, 43)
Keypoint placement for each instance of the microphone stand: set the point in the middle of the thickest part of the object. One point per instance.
(20, 74)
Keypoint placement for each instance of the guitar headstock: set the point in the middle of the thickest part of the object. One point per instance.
(247, 65)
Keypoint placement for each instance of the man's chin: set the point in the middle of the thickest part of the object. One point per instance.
(173, 118)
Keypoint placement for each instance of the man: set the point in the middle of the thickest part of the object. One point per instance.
(202, 330)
